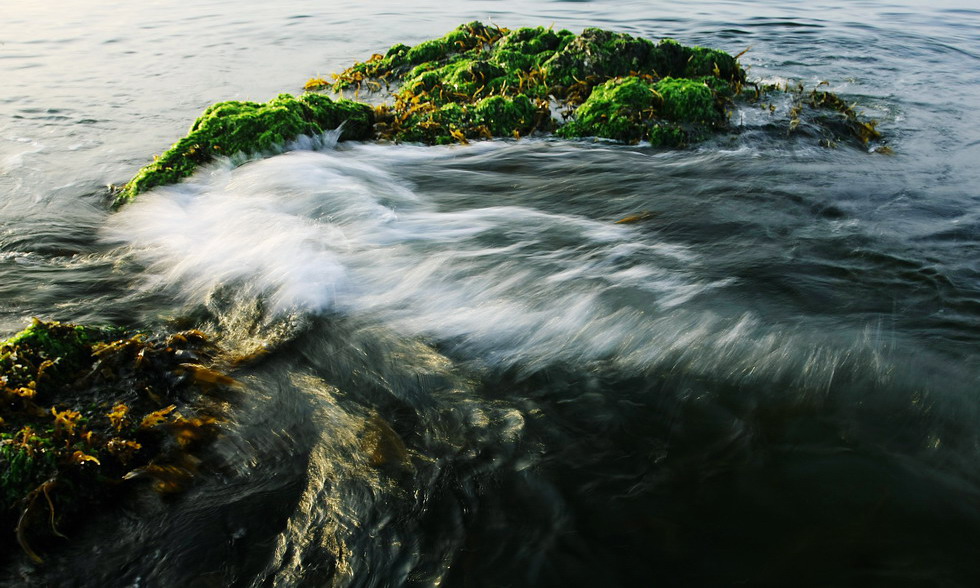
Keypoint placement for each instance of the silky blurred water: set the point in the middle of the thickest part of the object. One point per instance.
(475, 376)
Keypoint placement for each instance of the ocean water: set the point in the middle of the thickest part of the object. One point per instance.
(475, 376)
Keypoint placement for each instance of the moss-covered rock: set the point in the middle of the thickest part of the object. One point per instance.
(617, 109)
(503, 116)
(597, 55)
(481, 81)
(495, 116)
(44, 354)
(670, 112)
(689, 101)
(229, 128)
(400, 58)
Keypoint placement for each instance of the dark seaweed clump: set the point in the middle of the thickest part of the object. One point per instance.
(86, 411)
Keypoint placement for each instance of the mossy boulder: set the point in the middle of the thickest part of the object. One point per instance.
(671, 112)
(230, 128)
(491, 117)
(689, 101)
(400, 58)
(482, 81)
(616, 110)
(598, 55)
(44, 354)
(503, 116)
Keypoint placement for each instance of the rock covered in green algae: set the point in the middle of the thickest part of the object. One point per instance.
(482, 81)
(529, 72)
(600, 55)
(81, 410)
(477, 81)
(229, 128)
(669, 113)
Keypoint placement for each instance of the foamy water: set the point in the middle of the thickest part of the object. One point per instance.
(322, 232)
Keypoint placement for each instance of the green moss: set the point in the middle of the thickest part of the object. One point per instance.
(664, 134)
(596, 56)
(670, 112)
(513, 61)
(471, 74)
(495, 116)
(60, 349)
(711, 62)
(397, 51)
(671, 59)
(463, 38)
(460, 80)
(506, 116)
(21, 470)
(435, 126)
(689, 101)
(49, 339)
(230, 128)
(618, 109)
(400, 58)
(537, 44)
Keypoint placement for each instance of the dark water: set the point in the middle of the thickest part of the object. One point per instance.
(476, 377)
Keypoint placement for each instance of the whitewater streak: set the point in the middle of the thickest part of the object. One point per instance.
(332, 231)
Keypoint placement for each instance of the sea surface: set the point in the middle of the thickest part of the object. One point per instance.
(475, 376)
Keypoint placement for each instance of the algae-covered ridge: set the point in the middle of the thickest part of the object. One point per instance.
(85, 411)
(229, 128)
(483, 82)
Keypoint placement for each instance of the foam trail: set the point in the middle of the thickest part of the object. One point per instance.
(320, 231)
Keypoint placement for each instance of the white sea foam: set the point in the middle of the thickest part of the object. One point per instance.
(322, 231)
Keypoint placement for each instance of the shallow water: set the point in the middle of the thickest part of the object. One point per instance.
(477, 377)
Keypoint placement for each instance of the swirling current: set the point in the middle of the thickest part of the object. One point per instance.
(475, 376)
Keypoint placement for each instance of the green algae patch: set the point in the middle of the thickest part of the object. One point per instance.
(598, 55)
(84, 410)
(399, 59)
(486, 82)
(671, 112)
(616, 110)
(686, 100)
(47, 352)
(230, 128)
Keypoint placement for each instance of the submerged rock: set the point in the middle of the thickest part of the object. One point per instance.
(482, 82)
